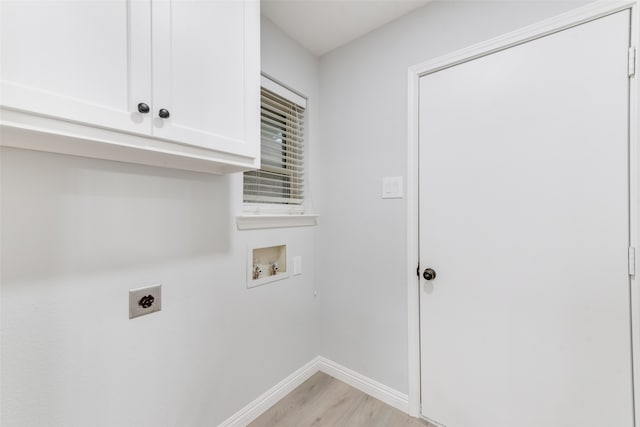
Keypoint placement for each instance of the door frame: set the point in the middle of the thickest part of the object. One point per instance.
(581, 15)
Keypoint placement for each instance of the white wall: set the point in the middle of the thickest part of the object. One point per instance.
(78, 233)
(361, 270)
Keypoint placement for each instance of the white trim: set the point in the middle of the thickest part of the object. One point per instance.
(270, 397)
(252, 222)
(435, 423)
(561, 22)
(413, 248)
(271, 209)
(634, 206)
(365, 384)
(280, 89)
(566, 20)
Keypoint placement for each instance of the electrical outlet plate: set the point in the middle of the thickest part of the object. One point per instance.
(152, 297)
(392, 187)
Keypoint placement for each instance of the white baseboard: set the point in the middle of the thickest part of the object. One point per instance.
(269, 398)
(366, 385)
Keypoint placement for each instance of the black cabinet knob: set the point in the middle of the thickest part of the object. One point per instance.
(429, 274)
(164, 113)
(143, 108)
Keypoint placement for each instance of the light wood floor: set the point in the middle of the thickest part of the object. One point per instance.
(323, 401)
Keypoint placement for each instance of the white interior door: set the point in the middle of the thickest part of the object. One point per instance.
(524, 203)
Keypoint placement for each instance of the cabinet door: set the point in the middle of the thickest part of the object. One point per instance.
(206, 73)
(80, 61)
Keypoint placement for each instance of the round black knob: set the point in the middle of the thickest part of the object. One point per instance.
(146, 301)
(163, 113)
(143, 108)
(429, 274)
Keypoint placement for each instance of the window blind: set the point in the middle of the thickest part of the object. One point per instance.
(280, 179)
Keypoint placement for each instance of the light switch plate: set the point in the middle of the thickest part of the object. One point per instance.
(144, 301)
(392, 187)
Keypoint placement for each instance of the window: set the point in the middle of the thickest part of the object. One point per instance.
(279, 184)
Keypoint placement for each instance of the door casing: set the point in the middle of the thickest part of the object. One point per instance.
(566, 20)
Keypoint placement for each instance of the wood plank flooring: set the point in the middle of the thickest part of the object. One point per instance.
(323, 401)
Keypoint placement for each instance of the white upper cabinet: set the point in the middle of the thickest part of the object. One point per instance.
(71, 60)
(166, 82)
(199, 76)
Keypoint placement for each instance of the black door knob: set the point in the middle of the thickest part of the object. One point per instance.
(163, 113)
(429, 274)
(143, 108)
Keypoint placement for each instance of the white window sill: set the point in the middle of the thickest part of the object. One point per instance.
(252, 222)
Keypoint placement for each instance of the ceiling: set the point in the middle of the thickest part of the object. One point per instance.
(323, 25)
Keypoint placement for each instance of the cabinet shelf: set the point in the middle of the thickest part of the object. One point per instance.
(21, 130)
